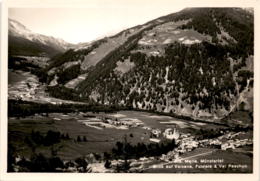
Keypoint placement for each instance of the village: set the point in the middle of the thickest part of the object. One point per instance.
(30, 89)
(186, 142)
(40, 61)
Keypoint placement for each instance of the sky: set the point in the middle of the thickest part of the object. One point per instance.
(93, 20)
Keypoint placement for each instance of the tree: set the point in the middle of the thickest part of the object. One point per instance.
(30, 143)
(67, 136)
(78, 139)
(55, 162)
(39, 163)
(81, 163)
(107, 164)
(11, 157)
(52, 137)
(126, 164)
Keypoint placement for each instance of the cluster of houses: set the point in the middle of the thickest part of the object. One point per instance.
(39, 61)
(227, 141)
(187, 142)
(24, 90)
(168, 133)
(107, 122)
(128, 122)
(31, 90)
(232, 144)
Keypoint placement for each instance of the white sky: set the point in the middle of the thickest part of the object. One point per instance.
(95, 20)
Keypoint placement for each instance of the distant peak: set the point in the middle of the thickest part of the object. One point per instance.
(18, 29)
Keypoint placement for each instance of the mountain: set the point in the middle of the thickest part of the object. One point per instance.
(23, 41)
(197, 63)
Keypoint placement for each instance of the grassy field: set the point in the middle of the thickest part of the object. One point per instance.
(98, 141)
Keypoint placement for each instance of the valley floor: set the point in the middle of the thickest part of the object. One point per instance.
(233, 147)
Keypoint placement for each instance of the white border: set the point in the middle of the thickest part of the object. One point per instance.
(125, 177)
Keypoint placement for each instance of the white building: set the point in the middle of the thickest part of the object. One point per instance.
(227, 146)
(170, 133)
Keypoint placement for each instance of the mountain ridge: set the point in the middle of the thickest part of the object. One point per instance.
(21, 40)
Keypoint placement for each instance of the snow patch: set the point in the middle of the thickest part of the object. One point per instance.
(17, 29)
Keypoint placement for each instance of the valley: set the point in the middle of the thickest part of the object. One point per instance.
(26, 86)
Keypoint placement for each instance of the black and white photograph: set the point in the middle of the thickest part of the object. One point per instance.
(130, 89)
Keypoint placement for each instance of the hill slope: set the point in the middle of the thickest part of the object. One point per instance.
(197, 63)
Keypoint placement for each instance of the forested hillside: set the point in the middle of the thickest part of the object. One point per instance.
(197, 63)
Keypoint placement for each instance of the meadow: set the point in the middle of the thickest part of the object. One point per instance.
(98, 140)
